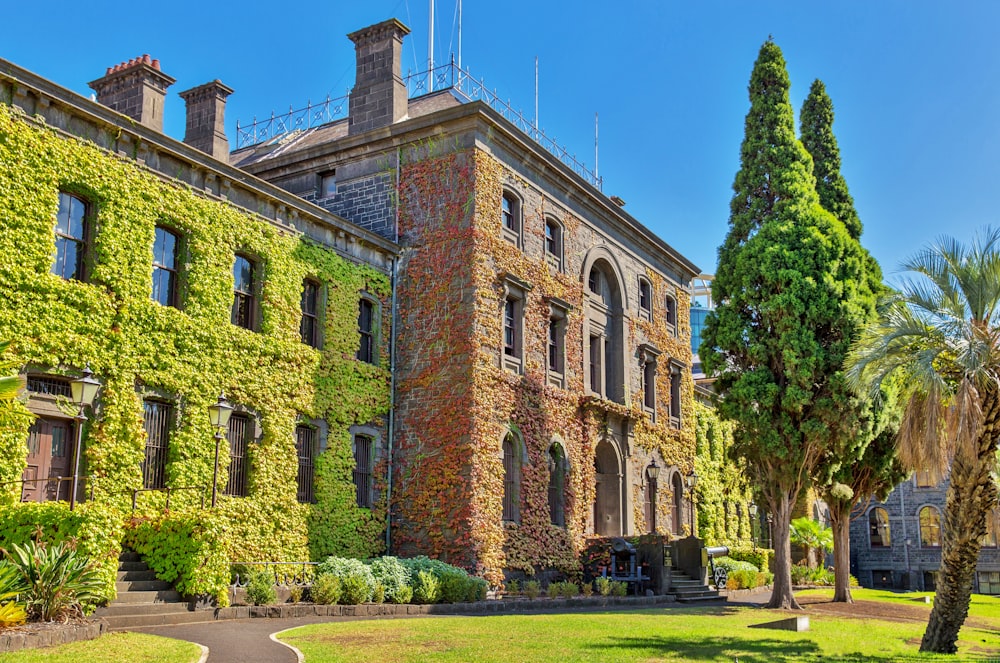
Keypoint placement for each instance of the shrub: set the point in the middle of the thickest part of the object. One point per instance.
(52, 581)
(532, 589)
(260, 589)
(733, 565)
(603, 586)
(476, 588)
(392, 575)
(379, 595)
(325, 589)
(568, 589)
(745, 579)
(453, 588)
(619, 588)
(759, 557)
(587, 589)
(552, 590)
(295, 594)
(354, 589)
(801, 574)
(426, 588)
(513, 587)
(403, 595)
(357, 584)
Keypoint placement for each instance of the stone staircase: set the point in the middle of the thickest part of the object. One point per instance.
(145, 601)
(688, 590)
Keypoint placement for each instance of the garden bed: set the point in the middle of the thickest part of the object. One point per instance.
(46, 634)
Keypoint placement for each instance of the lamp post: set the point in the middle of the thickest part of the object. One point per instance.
(83, 390)
(218, 414)
(692, 482)
(652, 473)
(753, 524)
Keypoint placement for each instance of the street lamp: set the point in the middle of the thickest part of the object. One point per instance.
(753, 524)
(83, 390)
(218, 414)
(653, 470)
(692, 482)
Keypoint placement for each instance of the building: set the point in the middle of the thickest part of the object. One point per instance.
(896, 544)
(536, 335)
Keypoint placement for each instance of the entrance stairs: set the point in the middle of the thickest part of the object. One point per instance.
(688, 590)
(145, 601)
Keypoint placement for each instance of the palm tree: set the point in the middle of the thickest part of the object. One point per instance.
(812, 535)
(941, 330)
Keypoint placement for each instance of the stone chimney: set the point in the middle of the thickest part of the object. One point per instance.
(379, 95)
(135, 88)
(206, 109)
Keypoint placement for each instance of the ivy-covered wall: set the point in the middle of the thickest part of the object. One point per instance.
(186, 355)
(724, 493)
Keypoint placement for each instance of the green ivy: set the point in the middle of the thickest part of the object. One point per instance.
(137, 347)
(722, 483)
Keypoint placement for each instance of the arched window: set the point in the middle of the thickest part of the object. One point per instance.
(930, 527)
(605, 347)
(878, 528)
(72, 221)
(557, 485)
(511, 479)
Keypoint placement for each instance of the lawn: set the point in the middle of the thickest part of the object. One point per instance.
(116, 647)
(668, 634)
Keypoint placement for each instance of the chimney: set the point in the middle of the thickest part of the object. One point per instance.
(135, 88)
(206, 108)
(379, 95)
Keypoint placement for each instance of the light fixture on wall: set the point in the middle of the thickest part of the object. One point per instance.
(653, 470)
(218, 414)
(84, 390)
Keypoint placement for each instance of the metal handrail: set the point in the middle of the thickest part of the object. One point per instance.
(168, 490)
(57, 479)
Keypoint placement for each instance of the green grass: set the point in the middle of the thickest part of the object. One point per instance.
(112, 647)
(669, 634)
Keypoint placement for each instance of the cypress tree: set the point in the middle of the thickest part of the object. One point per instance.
(787, 284)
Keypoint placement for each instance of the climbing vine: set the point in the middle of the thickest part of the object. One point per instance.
(724, 493)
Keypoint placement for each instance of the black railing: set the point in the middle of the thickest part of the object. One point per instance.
(168, 491)
(56, 480)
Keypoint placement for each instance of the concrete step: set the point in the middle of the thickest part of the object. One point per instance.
(142, 586)
(129, 556)
(126, 609)
(692, 591)
(152, 596)
(125, 575)
(702, 600)
(164, 619)
(133, 566)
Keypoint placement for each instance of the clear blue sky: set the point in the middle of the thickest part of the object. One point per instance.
(915, 85)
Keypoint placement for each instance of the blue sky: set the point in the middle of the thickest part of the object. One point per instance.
(914, 84)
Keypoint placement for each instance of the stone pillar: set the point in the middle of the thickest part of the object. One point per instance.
(379, 95)
(205, 129)
(135, 88)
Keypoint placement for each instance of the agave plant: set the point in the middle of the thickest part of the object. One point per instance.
(11, 613)
(52, 581)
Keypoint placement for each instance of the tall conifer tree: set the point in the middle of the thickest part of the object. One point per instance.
(787, 284)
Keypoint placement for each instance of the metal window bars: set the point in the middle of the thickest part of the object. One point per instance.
(446, 77)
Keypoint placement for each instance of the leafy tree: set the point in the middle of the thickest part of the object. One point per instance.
(807, 532)
(941, 334)
(851, 468)
(791, 284)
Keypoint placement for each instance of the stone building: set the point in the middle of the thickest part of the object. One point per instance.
(897, 543)
(542, 358)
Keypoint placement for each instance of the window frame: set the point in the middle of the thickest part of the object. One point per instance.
(362, 476)
(156, 451)
(173, 273)
(676, 385)
(323, 191)
(930, 531)
(238, 475)
(555, 342)
(368, 338)
(558, 473)
(510, 452)
(883, 530)
(82, 243)
(305, 475)
(512, 310)
(510, 209)
(249, 297)
(313, 337)
(670, 313)
(645, 298)
(554, 243)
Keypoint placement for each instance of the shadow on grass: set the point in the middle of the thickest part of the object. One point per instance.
(763, 650)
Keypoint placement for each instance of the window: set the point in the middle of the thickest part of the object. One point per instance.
(366, 331)
(553, 244)
(596, 370)
(510, 218)
(989, 582)
(239, 434)
(511, 479)
(645, 299)
(670, 308)
(649, 385)
(72, 220)
(675, 395)
(924, 479)
(363, 470)
(305, 449)
(930, 527)
(557, 485)
(604, 313)
(244, 292)
(165, 267)
(46, 385)
(328, 184)
(309, 326)
(878, 528)
(157, 421)
(512, 357)
(556, 355)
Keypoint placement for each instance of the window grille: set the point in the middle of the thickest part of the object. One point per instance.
(165, 267)
(71, 237)
(305, 448)
(363, 470)
(511, 480)
(239, 433)
(157, 421)
(49, 386)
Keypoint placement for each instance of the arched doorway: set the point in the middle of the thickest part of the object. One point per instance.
(678, 489)
(607, 502)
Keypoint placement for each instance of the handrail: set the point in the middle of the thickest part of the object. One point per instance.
(57, 479)
(167, 490)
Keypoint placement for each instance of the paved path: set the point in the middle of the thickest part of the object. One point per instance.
(249, 640)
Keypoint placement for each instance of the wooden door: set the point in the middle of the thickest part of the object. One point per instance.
(50, 455)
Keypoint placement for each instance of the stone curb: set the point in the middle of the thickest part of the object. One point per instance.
(59, 634)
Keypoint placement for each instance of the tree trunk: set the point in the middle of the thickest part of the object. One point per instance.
(972, 494)
(840, 521)
(781, 595)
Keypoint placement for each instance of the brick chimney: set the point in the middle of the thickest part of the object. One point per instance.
(206, 108)
(135, 88)
(379, 95)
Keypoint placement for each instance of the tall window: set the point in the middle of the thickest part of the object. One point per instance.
(556, 345)
(366, 330)
(605, 319)
(511, 479)
(157, 421)
(71, 237)
(510, 218)
(878, 528)
(596, 370)
(670, 304)
(649, 502)
(645, 299)
(244, 292)
(165, 267)
(553, 243)
(649, 385)
(557, 485)
(363, 470)
(239, 434)
(513, 325)
(305, 449)
(675, 396)
(930, 527)
(309, 326)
